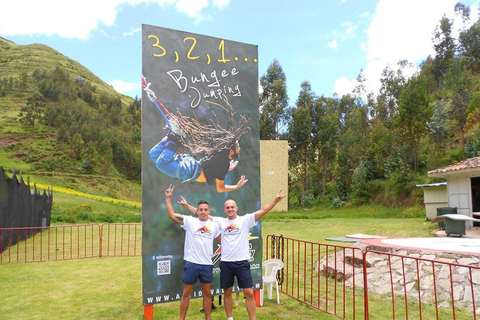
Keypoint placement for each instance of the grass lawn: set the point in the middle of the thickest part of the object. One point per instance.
(106, 288)
(111, 288)
(320, 223)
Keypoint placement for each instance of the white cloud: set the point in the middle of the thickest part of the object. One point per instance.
(343, 86)
(65, 18)
(404, 29)
(77, 19)
(192, 8)
(221, 3)
(363, 46)
(132, 32)
(401, 29)
(349, 29)
(128, 88)
(332, 44)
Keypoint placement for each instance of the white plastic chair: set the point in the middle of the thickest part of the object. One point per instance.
(271, 266)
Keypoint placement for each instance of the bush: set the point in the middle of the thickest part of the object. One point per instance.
(85, 214)
(360, 189)
(337, 202)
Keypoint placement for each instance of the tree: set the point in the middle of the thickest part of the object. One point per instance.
(353, 141)
(360, 90)
(135, 110)
(438, 123)
(273, 102)
(90, 157)
(300, 136)
(105, 150)
(427, 69)
(444, 45)
(33, 111)
(463, 11)
(23, 81)
(459, 81)
(380, 147)
(413, 112)
(77, 146)
(469, 45)
(325, 124)
(392, 83)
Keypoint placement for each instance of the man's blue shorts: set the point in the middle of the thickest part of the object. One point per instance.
(193, 271)
(239, 269)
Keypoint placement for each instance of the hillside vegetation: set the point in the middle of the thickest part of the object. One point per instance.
(60, 124)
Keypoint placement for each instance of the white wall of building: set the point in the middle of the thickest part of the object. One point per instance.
(459, 195)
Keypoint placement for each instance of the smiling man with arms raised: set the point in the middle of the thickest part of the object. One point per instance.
(198, 251)
(235, 231)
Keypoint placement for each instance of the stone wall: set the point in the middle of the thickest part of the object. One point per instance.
(421, 274)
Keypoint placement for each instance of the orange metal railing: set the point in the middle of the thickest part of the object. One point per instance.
(66, 242)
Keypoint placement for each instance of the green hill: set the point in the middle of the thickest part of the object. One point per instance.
(61, 124)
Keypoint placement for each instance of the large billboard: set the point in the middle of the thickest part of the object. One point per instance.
(199, 133)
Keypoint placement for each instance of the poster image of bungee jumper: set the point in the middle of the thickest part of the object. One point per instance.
(200, 134)
(192, 151)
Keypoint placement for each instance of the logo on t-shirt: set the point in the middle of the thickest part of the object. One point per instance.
(231, 229)
(204, 230)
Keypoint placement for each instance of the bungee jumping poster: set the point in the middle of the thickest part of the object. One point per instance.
(200, 133)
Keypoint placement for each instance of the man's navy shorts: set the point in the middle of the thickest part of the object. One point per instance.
(193, 271)
(239, 269)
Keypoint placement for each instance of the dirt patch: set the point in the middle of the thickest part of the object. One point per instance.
(6, 142)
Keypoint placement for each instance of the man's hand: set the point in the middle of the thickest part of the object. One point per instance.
(241, 182)
(175, 217)
(266, 208)
(169, 191)
(182, 201)
(279, 196)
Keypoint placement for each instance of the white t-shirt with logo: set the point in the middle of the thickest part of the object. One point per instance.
(235, 235)
(199, 237)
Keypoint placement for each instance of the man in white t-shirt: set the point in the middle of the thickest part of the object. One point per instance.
(235, 231)
(198, 251)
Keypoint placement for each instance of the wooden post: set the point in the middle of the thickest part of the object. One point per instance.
(148, 312)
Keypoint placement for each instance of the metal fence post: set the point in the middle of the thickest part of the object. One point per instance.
(365, 286)
(100, 240)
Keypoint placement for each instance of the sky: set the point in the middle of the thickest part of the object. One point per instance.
(325, 42)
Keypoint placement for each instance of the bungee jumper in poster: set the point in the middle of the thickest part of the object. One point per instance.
(196, 152)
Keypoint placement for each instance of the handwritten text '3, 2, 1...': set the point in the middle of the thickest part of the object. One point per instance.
(190, 52)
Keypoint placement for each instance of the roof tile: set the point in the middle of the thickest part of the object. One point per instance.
(467, 164)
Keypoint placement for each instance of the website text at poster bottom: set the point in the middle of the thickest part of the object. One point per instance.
(195, 294)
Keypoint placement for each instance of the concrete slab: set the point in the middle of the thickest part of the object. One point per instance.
(468, 244)
(456, 217)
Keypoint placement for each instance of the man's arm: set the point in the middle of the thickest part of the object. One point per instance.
(265, 209)
(175, 217)
(184, 203)
(222, 187)
(192, 209)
